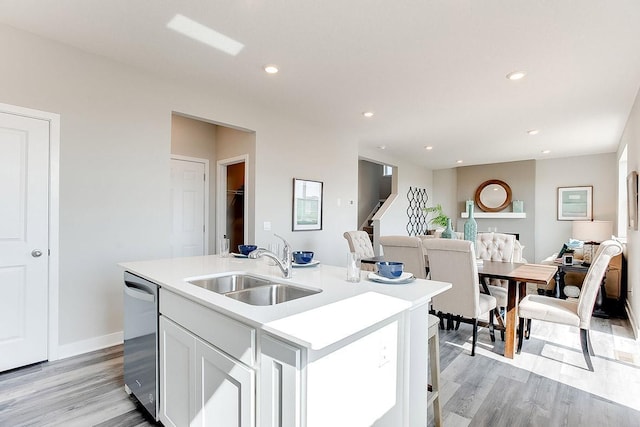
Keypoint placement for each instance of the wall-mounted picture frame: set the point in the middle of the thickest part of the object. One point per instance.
(307, 205)
(575, 203)
(632, 200)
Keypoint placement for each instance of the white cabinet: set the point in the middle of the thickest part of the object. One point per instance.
(177, 374)
(280, 384)
(200, 385)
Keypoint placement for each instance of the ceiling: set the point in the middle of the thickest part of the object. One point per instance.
(432, 71)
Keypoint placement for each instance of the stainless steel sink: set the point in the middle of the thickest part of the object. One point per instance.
(230, 283)
(253, 290)
(274, 293)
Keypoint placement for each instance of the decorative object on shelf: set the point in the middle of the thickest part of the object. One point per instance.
(632, 200)
(470, 225)
(417, 211)
(518, 206)
(307, 205)
(493, 195)
(575, 203)
(448, 232)
(440, 219)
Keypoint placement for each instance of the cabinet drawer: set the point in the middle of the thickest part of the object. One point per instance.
(233, 337)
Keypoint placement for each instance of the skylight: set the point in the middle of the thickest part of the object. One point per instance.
(204, 34)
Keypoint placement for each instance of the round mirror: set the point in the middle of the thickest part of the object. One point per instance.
(493, 195)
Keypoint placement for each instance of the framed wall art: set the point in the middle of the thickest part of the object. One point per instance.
(307, 205)
(575, 203)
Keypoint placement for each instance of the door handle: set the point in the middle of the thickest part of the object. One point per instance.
(36, 253)
(138, 293)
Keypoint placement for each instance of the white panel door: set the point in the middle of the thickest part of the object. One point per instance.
(24, 183)
(188, 207)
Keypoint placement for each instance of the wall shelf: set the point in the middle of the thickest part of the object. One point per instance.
(496, 215)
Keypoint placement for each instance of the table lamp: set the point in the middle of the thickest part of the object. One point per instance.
(592, 233)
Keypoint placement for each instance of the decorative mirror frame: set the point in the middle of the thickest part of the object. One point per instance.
(485, 184)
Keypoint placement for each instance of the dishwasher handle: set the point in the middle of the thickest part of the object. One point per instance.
(137, 293)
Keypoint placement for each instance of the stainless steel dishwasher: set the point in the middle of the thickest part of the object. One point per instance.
(141, 341)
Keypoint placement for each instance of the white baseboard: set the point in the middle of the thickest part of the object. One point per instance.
(91, 344)
(635, 327)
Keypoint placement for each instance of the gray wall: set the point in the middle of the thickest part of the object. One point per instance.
(368, 188)
(599, 171)
(521, 177)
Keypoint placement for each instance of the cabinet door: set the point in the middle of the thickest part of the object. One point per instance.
(280, 384)
(177, 374)
(225, 390)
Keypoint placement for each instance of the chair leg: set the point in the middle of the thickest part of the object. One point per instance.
(584, 340)
(457, 322)
(528, 330)
(492, 333)
(520, 334)
(475, 337)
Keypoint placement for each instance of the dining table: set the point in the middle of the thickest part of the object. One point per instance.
(518, 275)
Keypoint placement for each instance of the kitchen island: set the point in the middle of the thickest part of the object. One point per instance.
(352, 354)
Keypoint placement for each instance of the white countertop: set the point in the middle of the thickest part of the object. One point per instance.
(287, 319)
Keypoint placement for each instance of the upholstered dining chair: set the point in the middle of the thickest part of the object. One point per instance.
(454, 261)
(406, 249)
(360, 243)
(496, 247)
(570, 312)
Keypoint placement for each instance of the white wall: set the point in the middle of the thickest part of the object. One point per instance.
(114, 162)
(395, 219)
(631, 138)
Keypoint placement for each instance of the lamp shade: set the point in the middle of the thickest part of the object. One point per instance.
(592, 231)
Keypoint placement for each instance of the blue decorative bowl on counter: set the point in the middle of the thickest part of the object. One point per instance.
(302, 257)
(247, 249)
(390, 269)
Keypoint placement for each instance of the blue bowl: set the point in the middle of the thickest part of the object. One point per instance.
(390, 269)
(247, 249)
(302, 257)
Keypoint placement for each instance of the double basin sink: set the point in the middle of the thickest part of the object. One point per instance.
(252, 289)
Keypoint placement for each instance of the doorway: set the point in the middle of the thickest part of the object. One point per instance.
(29, 160)
(232, 200)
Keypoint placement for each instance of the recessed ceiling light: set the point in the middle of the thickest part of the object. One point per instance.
(533, 131)
(428, 147)
(271, 69)
(516, 75)
(382, 147)
(204, 34)
(368, 114)
(546, 151)
(459, 161)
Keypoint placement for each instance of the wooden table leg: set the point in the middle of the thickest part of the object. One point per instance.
(510, 333)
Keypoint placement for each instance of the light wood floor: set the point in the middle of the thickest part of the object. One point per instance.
(547, 385)
(83, 391)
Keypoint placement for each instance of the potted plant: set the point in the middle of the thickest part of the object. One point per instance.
(439, 219)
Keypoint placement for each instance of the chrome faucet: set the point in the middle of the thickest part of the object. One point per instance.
(284, 263)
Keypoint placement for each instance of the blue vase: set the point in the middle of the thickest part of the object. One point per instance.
(448, 232)
(470, 226)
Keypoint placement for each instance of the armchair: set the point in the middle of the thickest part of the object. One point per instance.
(360, 243)
(406, 249)
(454, 261)
(570, 312)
